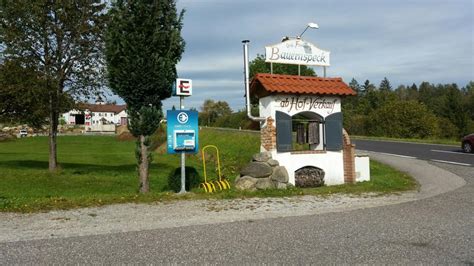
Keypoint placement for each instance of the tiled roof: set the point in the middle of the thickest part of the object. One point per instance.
(105, 108)
(265, 84)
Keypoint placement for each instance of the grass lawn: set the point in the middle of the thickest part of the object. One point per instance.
(98, 170)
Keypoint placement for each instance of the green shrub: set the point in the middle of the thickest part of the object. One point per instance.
(403, 119)
(356, 124)
(446, 128)
(193, 179)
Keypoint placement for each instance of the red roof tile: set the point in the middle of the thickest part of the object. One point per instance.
(265, 84)
(105, 108)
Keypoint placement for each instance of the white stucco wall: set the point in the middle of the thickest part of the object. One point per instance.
(69, 116)
(294, 104)
(119, 116)
(92, 120)
(331, 161)
(362, 168)
(101, 128)
(97, 117)
(66, 117)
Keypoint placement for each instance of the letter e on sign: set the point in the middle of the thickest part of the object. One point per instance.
(184, 87)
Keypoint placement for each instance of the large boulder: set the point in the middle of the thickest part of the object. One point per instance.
(281, 185)
(262, 173)
(280, 174)
(257, 170)
(261, 157)
(246, 183)
(265, 183)
(273, 163)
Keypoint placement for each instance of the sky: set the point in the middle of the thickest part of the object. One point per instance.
(405, 41)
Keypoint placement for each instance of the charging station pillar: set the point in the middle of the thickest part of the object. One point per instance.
(182, 128)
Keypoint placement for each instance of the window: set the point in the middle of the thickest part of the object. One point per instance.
(307, 132)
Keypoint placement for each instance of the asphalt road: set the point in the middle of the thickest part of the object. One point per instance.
(431, 152)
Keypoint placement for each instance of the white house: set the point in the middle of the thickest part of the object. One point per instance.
(98, 117)
(303, 126)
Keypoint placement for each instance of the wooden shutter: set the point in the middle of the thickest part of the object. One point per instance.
(334, 132)
(283, 132)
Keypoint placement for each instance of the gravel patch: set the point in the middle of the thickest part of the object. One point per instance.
(137, 217)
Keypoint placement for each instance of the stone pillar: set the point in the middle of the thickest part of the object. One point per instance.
(268, 135)
(348, 158)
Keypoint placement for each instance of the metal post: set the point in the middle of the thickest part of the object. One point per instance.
(247, 85)
(299, 70)
(324, 68)
(183, 157)
(271, 68)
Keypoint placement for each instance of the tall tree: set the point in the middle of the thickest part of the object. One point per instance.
(469, 99)
(402, 92)
(413, 92)
(211, 111)
(368, 86)
(425, 93)
(60, 42)
(385, 85)
(21, 100)
(355, 86)
(385, 93)
(348, 103)
(143, 46)
(454, 110)
(371, 94)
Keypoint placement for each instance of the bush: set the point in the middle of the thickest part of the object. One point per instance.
(403, 119)
(193, 179)
(447, 129)
(470, 126)
(356, 124)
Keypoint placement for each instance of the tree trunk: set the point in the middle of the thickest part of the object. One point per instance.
(143, 167)
(53, 131)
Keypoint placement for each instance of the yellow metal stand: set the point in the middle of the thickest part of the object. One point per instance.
(212, 186)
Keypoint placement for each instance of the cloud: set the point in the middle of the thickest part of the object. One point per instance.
(405, 41)
(207, 64)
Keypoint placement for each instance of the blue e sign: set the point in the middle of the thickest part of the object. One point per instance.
(182, 131)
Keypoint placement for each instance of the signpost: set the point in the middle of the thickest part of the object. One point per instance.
(182, 128)
(297, 52)
(184, 87)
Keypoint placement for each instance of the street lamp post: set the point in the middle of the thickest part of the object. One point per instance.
(311, 25)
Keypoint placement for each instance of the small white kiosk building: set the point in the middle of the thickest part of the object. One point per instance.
(301, 118)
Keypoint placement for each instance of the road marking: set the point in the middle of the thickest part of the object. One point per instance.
(405, 142)
(453, 152)
(441, 161)
(398, 155)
